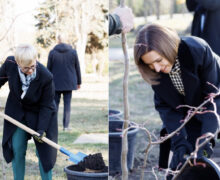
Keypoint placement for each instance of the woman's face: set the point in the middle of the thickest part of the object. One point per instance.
(28, 70)
(156, 62)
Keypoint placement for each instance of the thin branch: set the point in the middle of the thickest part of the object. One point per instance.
(13, 21)
(146, 151)
(126, 103)
(187, 119)
(124, 153)
(193, 155)
(208, 137)
(153, 171)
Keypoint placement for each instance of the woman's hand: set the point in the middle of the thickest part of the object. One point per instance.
(180, 153)
(39, 138)
(126, 17)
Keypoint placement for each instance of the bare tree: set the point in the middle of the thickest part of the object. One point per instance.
(172, 8)
(146, 3)
(73, 18)
(157, 2)
(7, 20)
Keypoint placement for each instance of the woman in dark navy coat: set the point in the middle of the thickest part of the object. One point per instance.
(31, 102)
(178, 70)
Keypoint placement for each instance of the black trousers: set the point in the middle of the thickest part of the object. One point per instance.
(67, 96)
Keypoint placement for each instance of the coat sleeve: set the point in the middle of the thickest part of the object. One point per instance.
(3, 73)
(77, 67)
(210, 72)
(49, 62)
(114, 24)
(46, 106)
(191, 5)
(171, 120)
(211, 5)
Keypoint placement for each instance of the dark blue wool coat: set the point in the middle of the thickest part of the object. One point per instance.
(63, 63)
(199, 65)
(37, 109)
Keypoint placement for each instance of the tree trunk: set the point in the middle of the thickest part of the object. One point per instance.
(126, 105)
(81, 33)
(157, 9)
(172, 8)
(146, 3)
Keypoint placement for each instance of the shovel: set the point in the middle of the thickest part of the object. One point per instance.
(75, 158)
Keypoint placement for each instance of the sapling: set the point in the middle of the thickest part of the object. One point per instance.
(190, 113)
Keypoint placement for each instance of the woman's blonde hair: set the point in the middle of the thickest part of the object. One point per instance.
(163, 40)
(25, 54)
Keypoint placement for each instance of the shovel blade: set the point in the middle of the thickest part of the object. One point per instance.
(81, 155)
(75, 158)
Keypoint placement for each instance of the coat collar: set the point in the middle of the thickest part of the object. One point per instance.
(16, 82)
(35, 81)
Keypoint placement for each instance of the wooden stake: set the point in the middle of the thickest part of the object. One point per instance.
(126, 106)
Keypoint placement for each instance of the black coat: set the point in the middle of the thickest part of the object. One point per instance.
(211, 31)
(63, 63)
(199, 65)
(37, 110)
(115, 26)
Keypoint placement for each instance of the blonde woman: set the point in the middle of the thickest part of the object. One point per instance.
(31, 102)
(178, 70)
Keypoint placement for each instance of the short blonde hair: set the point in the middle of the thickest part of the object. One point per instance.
(25, 54)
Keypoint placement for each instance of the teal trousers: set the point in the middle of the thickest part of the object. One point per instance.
(19, 145)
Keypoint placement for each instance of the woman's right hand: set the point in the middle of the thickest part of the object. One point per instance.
(179, 155)
(39, 138)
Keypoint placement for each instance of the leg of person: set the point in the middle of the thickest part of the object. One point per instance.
(164, 152)
(44, 175)
(67, 95)
(57, 98)
(19, 145)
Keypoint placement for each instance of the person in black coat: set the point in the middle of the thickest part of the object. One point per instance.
(206, 23)
(122, 20)
(178, 70)
(63, 63)
(31, 102)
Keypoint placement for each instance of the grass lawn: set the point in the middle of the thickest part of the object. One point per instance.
(140, 95)
(141, 110)
(88, 115)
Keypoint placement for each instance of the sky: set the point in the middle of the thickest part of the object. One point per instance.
(23, 29)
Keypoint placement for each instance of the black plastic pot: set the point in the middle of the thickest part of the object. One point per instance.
(115, 145)
(114, 114)
(211, 171)
(74, 173)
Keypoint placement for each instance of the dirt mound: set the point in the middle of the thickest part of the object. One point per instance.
(93, 162)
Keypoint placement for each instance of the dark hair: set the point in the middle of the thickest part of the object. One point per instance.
(163, 40)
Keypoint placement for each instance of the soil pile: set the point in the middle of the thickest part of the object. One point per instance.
(91, 163)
